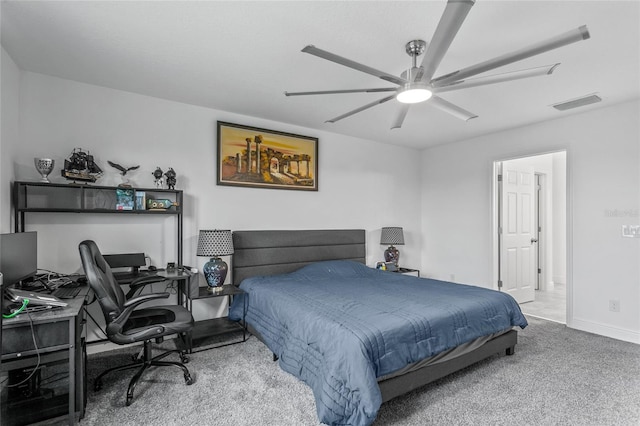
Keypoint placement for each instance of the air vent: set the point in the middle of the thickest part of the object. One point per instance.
(575, 103)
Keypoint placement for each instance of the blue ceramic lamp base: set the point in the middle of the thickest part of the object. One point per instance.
(215, 272)
(392, 254)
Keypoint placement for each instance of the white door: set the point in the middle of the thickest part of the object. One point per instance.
(518, 237)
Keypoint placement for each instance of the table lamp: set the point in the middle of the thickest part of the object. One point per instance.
(392, 235)
(214, 243)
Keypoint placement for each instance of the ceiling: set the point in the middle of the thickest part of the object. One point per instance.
(241, 57)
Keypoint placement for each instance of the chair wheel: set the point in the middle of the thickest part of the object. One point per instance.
(129, 400)
(98, 385)
(184, 359)
(188, 379)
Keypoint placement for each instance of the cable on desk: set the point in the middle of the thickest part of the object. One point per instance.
(25, 302)
(35, 345)
(53, 279)
(171, 287)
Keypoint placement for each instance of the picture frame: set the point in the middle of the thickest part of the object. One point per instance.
(286, 160)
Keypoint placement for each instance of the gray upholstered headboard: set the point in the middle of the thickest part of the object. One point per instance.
(279, 252)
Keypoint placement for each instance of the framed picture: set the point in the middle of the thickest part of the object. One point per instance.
(261, 158)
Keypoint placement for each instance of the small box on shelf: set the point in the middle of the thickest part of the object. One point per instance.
(141, 200)
(124, 199)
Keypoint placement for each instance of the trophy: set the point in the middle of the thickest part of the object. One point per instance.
(44, 166)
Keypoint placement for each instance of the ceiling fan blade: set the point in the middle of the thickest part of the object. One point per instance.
(402, 113)
(450, 22)
(352, 64)
(332, 92)
(578, 34)
(362, 108)
(452, 109)
(496, 78)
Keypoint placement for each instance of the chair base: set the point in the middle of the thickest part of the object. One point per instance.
(143, 364)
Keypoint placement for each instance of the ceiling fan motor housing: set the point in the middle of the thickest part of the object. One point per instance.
(416, 47)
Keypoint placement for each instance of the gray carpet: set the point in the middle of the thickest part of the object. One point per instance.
(558, 376)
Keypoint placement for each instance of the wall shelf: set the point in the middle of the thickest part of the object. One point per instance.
(40, 197)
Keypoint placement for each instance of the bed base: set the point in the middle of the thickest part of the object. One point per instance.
(397, 386)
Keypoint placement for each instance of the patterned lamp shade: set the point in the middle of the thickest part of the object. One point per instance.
(392, 235)
(214, 243)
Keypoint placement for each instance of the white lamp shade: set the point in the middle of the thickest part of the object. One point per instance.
(392, 235)
(214, 242)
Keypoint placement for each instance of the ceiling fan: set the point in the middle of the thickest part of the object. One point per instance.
(417, 83)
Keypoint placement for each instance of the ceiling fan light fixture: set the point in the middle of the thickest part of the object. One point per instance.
(413, 93)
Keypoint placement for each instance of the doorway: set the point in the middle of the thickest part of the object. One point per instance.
(530, 232)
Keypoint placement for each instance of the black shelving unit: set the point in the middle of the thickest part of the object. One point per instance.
(40, 197)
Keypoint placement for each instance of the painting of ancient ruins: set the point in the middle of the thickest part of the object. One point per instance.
(254, 157)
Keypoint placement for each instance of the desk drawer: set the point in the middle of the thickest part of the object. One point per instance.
(17, 340)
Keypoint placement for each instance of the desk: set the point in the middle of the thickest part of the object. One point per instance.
(187, 284)
(60, 337)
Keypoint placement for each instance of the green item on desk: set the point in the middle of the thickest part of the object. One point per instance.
(25, 302)
(159, 204)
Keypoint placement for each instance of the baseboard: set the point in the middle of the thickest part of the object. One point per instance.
(559, 280)
(605, 330)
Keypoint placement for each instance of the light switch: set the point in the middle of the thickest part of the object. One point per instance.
(631, 231)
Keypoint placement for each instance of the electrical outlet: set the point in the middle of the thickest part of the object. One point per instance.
(614, 305)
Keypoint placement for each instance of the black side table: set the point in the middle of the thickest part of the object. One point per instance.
(407, 271)
(205, 329)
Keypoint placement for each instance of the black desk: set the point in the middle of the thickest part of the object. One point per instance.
(60, 338)
(187, 284)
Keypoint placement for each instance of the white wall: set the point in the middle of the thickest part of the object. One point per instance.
(362, 184)
(602, 170)
(9, 135)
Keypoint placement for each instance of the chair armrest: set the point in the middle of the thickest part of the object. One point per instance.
(131, 304)
(115, 326)
(138, 283)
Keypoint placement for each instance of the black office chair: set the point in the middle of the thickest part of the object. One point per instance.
(125, 324)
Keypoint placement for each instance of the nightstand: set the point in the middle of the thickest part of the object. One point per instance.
(407, 271)
(204, 330)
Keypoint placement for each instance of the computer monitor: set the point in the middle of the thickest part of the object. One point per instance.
(18, 257)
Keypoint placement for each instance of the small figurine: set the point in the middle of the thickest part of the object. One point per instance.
(171, 178)
(81, 166)
(123, 172)
(158, 175)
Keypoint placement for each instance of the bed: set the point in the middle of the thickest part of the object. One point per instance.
(358, 336)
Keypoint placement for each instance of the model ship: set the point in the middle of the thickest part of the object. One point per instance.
(80, 166)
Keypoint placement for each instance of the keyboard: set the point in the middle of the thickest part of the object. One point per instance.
(66, 292)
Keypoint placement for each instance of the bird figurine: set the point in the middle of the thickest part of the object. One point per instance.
(123, 172)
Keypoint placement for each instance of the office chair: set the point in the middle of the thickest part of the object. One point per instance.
(125, 324)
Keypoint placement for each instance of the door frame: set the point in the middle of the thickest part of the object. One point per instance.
(494, 206)
(540, 200)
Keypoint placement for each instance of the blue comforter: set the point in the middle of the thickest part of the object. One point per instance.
(338, 325)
